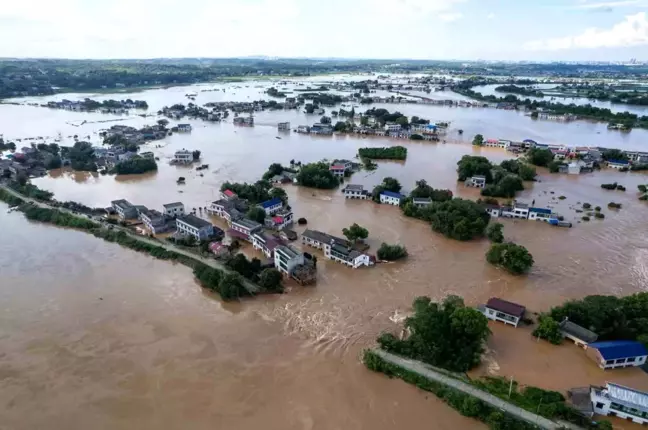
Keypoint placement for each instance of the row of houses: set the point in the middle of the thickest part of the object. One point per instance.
(317, 128)
(337, 249)
(355, 191)
(172, 217)
(610, 400)
(521, 210)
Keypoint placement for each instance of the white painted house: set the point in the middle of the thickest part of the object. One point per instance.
(183, 157)
(286, 258)
(501, 310)
(174, 209)
(352, 191)
(391, 198)
(618, 401)
(614, 354)
(336, 249)
(477, 181)
(191, 225)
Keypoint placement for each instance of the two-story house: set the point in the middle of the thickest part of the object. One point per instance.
(391, 198)
(286, 258)
(191, 225)
(501, 310)
(174, 210)
(124, 209)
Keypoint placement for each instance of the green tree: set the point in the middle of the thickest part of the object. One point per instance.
(256, 214)
(457, 218)
(231, 286)
(494, 232)
(317, 175)
(554, 166)
(540, 157)
(270, 280)
(423, 190)
(279, 193)
(504, 187)
(325, 119)
(340, 126)
(478, 140)
(391, 252)
(514, 258)
(548, 329)
(614, 154)
(364, 120)
(355, 232)
(471, 165)
(135, 165)
(391, 184)
(446, 334)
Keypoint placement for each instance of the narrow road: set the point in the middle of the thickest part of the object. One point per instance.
(424, 370)
(252, 288)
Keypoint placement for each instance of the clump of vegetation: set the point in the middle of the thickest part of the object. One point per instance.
(516, 259)
(523, 170)
(32, 191)
(317, 175)
(586, 205)
(548, 329)
(642, 188)
(599, 215)
(478, 140)
(585, 218)
(257, 214)
(597, 209)
(561, 197)
(439, 331)
(423, 191)
(386, 153)
(613, 186)
(276, 169)
(620, 188)
(613, 205)
(494, 232)
(134, 166)
(355, 233)
(388, 184)
(254, 193)
(457, 218)
(540, 157)
(302, 221)
(470, 166)
(391, 252)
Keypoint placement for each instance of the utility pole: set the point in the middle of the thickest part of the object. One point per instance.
(510, 388)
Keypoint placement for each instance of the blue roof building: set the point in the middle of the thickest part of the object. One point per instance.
(618, 163)
(271, 206)
(618, 353)
(391, 198)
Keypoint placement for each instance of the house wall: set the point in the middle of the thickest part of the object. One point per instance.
(603, 406)
(174, 211)
(355, 195)
(273, 209)
(199, 234)
(389, 200)
(495, 213)
(496, 315)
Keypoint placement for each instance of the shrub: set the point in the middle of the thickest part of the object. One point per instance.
(587, 206)
(613, 205)
(514, 258)
(391, 252)
(585, 218)
(494, 232)
(599, 215)
(597, 209)
(548, 329)
(302, 221)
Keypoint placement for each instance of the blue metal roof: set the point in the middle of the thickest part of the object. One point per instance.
(270, 203)
(529, 141)
(613, 349)
(540, 210)
(392, 194)
(618, 162)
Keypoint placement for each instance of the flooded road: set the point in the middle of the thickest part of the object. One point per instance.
(134, 343)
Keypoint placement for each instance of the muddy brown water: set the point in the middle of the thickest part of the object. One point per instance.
(97, 336)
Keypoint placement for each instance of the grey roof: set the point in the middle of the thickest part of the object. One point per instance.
(577, 331)
(289, 251)
(122, 203)
(194, 221)
(422, 200)
(247, 223)
(628, 395)
(324, 237)
(479, 177)
(173, 205)
(354, 187)
(521, 205)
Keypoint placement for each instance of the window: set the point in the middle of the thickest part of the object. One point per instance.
(599, 405)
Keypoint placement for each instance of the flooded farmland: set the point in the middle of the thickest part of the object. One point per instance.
(102, 337)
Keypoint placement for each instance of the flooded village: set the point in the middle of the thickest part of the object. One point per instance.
(166, 340)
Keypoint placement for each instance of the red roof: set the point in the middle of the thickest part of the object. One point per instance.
(229, 193)
(506, 307)
(216, 247)
(337, 167)
(277, 219)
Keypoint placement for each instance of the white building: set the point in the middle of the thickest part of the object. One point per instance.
(493, 210)
(477, 181)
(174, 209)
(619, 401)
(352, 191)
(153, 220)
(286, 258)
(519, 210)
(618, 164)
(504, 311)
(391, 127)
(283, 126)
(540, 214)
(183, 157)
(615, 354)
(271, 206)
(421, 202)
(303, 129)
(191, 225)
(247, 227)
(184, 127)
(338, 170)
(336, 249)
(265, 243)
(124, 209)
(391, 198)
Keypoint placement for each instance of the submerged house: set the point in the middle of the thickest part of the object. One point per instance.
(580, 335)
(336, 249)
(617, 353)
(618, 401)
(501, 310)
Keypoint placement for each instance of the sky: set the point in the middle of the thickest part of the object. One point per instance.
(543, 30)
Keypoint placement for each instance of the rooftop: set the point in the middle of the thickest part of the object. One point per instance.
(614, 349)
(337, 167)
(229, 193)
(324, 237)
(392, 194)
(422, 200)
(509, 308)
(540, 210)
(194, 221)
(577, 331)
(270, 203)
(628, 395)
(354, 187)
(173, 205)
(289, 251)
(247, 223)
(480, 177)
(624, 162)
(122, 203)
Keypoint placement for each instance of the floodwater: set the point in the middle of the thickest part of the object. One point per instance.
(114, 339)
(488, 90)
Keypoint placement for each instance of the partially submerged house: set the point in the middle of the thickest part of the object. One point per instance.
(501, 310)
(580, 335)
(286, 258)
(391, 198)
(124, 209)
(353, 191)
(617, 353)
(174, 210)
(618, 401)
(191, 225)
(477, 181)
(336, 249)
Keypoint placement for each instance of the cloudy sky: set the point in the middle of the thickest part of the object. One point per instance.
(420, 29)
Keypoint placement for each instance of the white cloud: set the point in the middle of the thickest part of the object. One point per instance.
(451, 16)
(633, 31)
(490, 16)
(610, 4)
